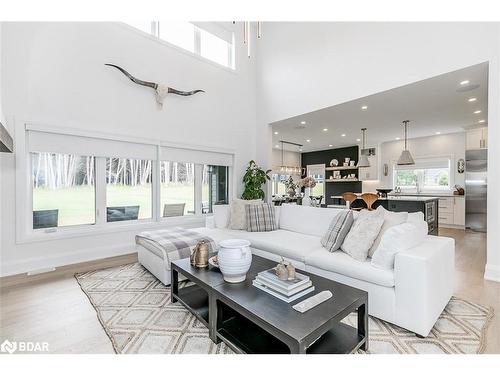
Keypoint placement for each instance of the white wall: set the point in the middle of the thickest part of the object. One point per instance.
(303, 67)
(444, 145)
(54, 74)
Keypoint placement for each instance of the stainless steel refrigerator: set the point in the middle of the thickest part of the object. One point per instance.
(476, 182)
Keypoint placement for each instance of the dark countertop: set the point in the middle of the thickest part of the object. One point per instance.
(399, 198)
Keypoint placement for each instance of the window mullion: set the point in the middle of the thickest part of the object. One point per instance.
(156, 187)
(198, 188)
(100, 190)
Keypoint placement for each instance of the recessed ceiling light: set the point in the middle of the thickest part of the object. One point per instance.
(277, 146)
(364, 108)
(358, 140)
(303, 122)
(477, 112)
(276, 133)
(437, 133)
(325, 129)
(481, 121)
(300, 149)
(342, 135)
(472, 99)
(330, 145)
(397, 138)
(466, 82)
(308, 140)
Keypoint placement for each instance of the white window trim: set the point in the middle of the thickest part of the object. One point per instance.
(424, 190)
(24, 195)
(154, 37)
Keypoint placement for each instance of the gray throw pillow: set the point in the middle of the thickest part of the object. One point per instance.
(260, 217)
(337, 231)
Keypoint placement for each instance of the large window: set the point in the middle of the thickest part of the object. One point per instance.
(214, 187)
(177, 189)
(426, 174)
(214, 44)
(63, 190)
(278, 184)
(128, 189)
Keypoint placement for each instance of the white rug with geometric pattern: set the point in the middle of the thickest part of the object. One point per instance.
(135, 311)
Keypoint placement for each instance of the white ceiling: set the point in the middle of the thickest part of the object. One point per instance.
(433, 105)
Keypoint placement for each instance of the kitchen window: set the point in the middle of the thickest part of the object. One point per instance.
(429, 174)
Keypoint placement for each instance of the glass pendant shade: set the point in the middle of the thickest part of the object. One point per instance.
(363, 158)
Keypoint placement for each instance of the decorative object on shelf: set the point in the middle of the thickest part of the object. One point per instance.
(161, 91)
(406, 158)
(352, 163)
(386, 170)
(382, 193)
(334, 163)
(253, 179)
(291, 187)
(363, 157)
(286, 168)
(281, 270)
(199, 257)
(336, 175)
(234, 259)
(461, 166)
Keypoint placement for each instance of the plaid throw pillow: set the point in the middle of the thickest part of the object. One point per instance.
(337, 231)
(260, 217)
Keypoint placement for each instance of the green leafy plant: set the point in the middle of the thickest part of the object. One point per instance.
(253, 179)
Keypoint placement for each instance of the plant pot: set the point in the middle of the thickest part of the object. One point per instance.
(234, 258)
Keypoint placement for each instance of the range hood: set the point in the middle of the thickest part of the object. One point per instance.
(6, 143)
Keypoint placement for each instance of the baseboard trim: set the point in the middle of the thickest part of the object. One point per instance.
(67, 270)
(492, 273)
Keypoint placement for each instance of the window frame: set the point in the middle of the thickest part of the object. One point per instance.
(24, 201)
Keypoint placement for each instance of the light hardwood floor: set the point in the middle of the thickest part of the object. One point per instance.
(57, 311)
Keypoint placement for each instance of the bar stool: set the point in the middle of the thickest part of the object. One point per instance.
(369, 199)
(349, 198)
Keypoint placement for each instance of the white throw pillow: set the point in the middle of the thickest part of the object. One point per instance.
(415, 217)
(237, 218)
(398, 238)
(390, 219)
(221, 215)
(362, 234)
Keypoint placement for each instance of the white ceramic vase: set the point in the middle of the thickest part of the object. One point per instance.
(234, 258)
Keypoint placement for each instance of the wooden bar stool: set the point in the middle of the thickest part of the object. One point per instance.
(349, 198)
(369, 199)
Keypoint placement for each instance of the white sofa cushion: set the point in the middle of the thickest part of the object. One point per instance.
(221, 215)
(390, 219)
(343, 264)
(398, 238)
(363, 233)
(308, 220)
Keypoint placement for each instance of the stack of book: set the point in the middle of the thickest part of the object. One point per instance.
(286, 290)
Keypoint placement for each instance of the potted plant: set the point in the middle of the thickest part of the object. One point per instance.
(290, 186)
(253, 179)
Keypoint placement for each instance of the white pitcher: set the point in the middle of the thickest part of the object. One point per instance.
(234, 258)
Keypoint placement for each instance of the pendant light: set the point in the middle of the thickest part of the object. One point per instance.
(287, 168)
(363, 158)
(406, 158)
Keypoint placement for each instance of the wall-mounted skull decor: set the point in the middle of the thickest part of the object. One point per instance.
(461, 166)
(161, 91)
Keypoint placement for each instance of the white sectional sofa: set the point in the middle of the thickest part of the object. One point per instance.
(412, 296)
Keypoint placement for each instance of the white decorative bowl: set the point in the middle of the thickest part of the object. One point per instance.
(235, 258)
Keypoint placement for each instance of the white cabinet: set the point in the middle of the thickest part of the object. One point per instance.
(477, 138)
(452, 211)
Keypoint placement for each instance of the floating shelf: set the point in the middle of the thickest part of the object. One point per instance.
(342, 180)
(340, 168)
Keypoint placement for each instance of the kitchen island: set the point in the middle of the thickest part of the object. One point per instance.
(427, 205)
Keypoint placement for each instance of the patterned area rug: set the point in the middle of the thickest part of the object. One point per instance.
(134, 309)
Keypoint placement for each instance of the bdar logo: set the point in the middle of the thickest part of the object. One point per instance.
(8, 347)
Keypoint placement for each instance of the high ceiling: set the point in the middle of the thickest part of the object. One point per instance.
(438, 104)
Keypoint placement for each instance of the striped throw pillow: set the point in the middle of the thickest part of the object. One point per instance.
(337, 231)
(260, 217)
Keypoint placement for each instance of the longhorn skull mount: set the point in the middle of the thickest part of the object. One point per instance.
(161, 91)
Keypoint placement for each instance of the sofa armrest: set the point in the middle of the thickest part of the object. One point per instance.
(210, 222)
(424, 283)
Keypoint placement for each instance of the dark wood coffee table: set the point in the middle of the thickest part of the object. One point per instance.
(250, 320)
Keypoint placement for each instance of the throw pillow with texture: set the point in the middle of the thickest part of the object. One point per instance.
(390, 219)
(337, 231)
(237, 218)
(260, 217)
(398, 238)
(363, 233)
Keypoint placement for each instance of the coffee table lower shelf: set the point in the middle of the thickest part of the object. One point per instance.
(243, 336)
(195, 299)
